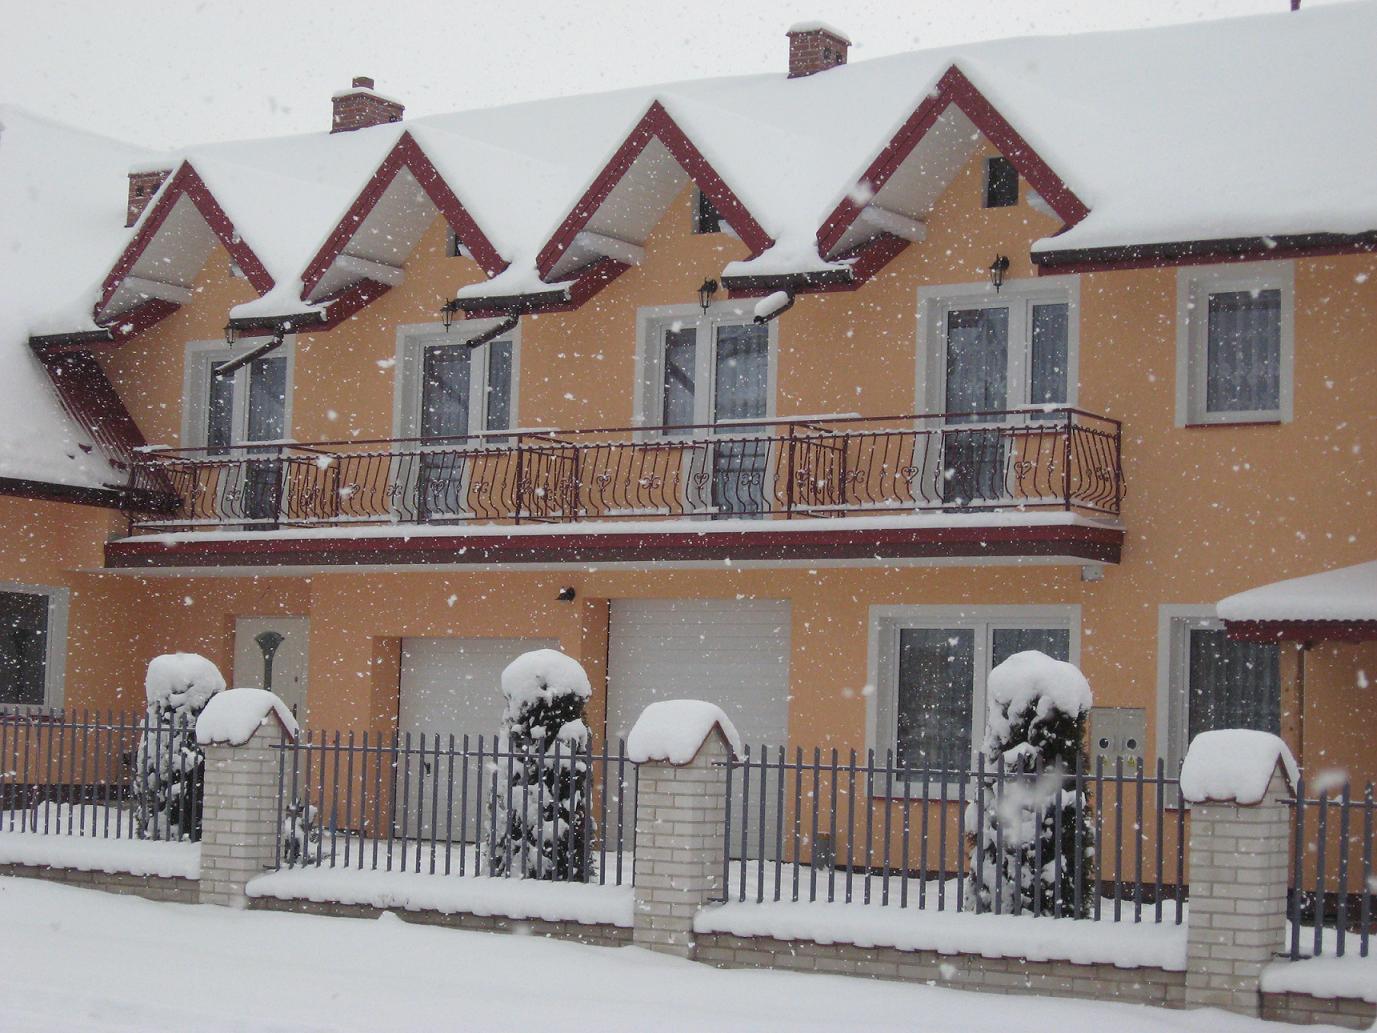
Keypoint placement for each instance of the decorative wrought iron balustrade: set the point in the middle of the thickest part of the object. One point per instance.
(1007, 460)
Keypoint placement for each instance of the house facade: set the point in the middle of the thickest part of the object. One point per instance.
(815, 396)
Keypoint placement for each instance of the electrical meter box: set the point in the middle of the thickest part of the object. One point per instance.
(1118, 732)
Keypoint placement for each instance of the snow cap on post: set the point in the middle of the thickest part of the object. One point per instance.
(1234, 765)
(181, 682)
(232, 718)
(674, 730)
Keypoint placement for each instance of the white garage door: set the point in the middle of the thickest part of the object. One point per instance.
(732, 652)
(454, 686)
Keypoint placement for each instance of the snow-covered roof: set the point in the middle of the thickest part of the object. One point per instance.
(62, 199)
(1240, 128)
(1346, 594)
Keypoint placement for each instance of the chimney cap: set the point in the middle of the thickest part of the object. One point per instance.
(364, 82)
(799, 28)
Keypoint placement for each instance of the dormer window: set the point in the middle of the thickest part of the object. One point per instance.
(705, 217)
(454, 247)
(1001, 183)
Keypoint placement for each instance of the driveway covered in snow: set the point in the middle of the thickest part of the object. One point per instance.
(79, 961)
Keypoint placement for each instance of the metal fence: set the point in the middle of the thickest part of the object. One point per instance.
(865, 829)
(112, 776)
(1332, 877)
(1050, 457)
(425, 803)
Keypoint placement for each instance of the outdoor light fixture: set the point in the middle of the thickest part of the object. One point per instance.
(998, 268)
(705, 294)
(231, 334)
(566, 594)
(447, 311)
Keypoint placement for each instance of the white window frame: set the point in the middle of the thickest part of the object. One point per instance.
(1175, 621)
(414, 339)
(1194, 284)
(936, 301)
(55, 660)
(882, 704)
(648, 404)
(201, 358)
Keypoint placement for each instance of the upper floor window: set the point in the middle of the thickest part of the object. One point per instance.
(453, 391)
(1235, 343)
(932, 667)
(247, 406)
(1001, 183)
(705, 216)
(32, 645)
(1214, 682)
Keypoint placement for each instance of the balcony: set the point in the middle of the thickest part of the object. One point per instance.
(1030, 468)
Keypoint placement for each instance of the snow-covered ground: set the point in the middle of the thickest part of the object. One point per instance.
(94, 963)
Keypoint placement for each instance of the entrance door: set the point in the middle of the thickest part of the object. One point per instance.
(270, 653)
(454, 686)
(732, 652)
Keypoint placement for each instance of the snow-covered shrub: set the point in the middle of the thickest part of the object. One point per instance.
(300, 831)
(1038, 708)
(540, 817)
(169, 765)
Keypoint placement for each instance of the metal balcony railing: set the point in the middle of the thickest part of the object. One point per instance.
(1042, 458)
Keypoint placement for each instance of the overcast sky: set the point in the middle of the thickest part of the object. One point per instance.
(169, 72)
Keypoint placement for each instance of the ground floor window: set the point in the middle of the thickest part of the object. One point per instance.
(1215, 682)
(931, 668)
(32, 630)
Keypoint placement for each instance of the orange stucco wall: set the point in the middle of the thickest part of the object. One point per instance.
(1209, 511)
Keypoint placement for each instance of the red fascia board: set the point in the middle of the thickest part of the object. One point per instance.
(1302, 631)
(591, 279)
(1202, 252)
(955, 88)
(1093, 544)
(46, 491)
(656, 123)
(406, 154)
(866, 261)
(131, 324)
(186, 181)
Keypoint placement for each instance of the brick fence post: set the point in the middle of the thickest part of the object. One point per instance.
(239, 821)
(1239, 860)
(680, 816)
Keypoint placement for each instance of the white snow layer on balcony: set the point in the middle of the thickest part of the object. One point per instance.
(1346, 594)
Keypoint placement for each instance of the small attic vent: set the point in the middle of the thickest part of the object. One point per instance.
(1001, 183)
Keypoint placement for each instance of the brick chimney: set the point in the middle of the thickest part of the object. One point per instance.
(815, 47)
(142, 187)
(359, 107)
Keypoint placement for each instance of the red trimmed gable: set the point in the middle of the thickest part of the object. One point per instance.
(184, 183)
(406, 154)
(656, 124)
(952, 88)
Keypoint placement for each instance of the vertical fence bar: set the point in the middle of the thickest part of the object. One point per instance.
(1298, 864)
(888, 826)
(406, 799)
(1099, 836)
(813, 839)
(923, 861)
(281, 786)
(1138, 848)
(1158, 792)
(1118, 835)
(393, 764)
(998, 876)
(1341, 906)
(1058, 862)
(510, 753)
(727, 835)
(621, 804)
(26, 815)
(760, 838)
(478, 866)
(961, 786)
(869, 818)
(349, 800)
(434, 796)
(779, 821)
(82, 778)
(295, 807)
(602, 813)
(55, 805)
(798, 816)
(322, 748)
(1321, 835)
(907, 829)
(850, 823)
(334, 800)
(449, 805)
(6, 773)
(1180, 851)
(1365, 906)
(745, 818)
(832, 830)
(464, 806)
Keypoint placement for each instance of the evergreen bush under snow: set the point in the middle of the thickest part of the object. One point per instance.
(169, 765)
(1038, 708)
(540, 817)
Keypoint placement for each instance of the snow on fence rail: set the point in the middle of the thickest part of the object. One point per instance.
(868, 830)
(1332, 877)
(425, 804)
(112, 776)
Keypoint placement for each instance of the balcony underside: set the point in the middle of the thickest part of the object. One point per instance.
(1002, 537)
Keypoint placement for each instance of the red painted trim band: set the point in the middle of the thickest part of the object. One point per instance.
(1302, 631)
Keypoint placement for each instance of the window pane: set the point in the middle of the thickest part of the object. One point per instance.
(445, 391)
(499, 409)
(1001, 183)
(1055, 642)
(268, 399)
(977, 360)
(936, 687)
(743, 367)
(1243, 364)
(1232, 684)
(23, 647)
(1047, 383)
(219, 410)
(678, 386)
